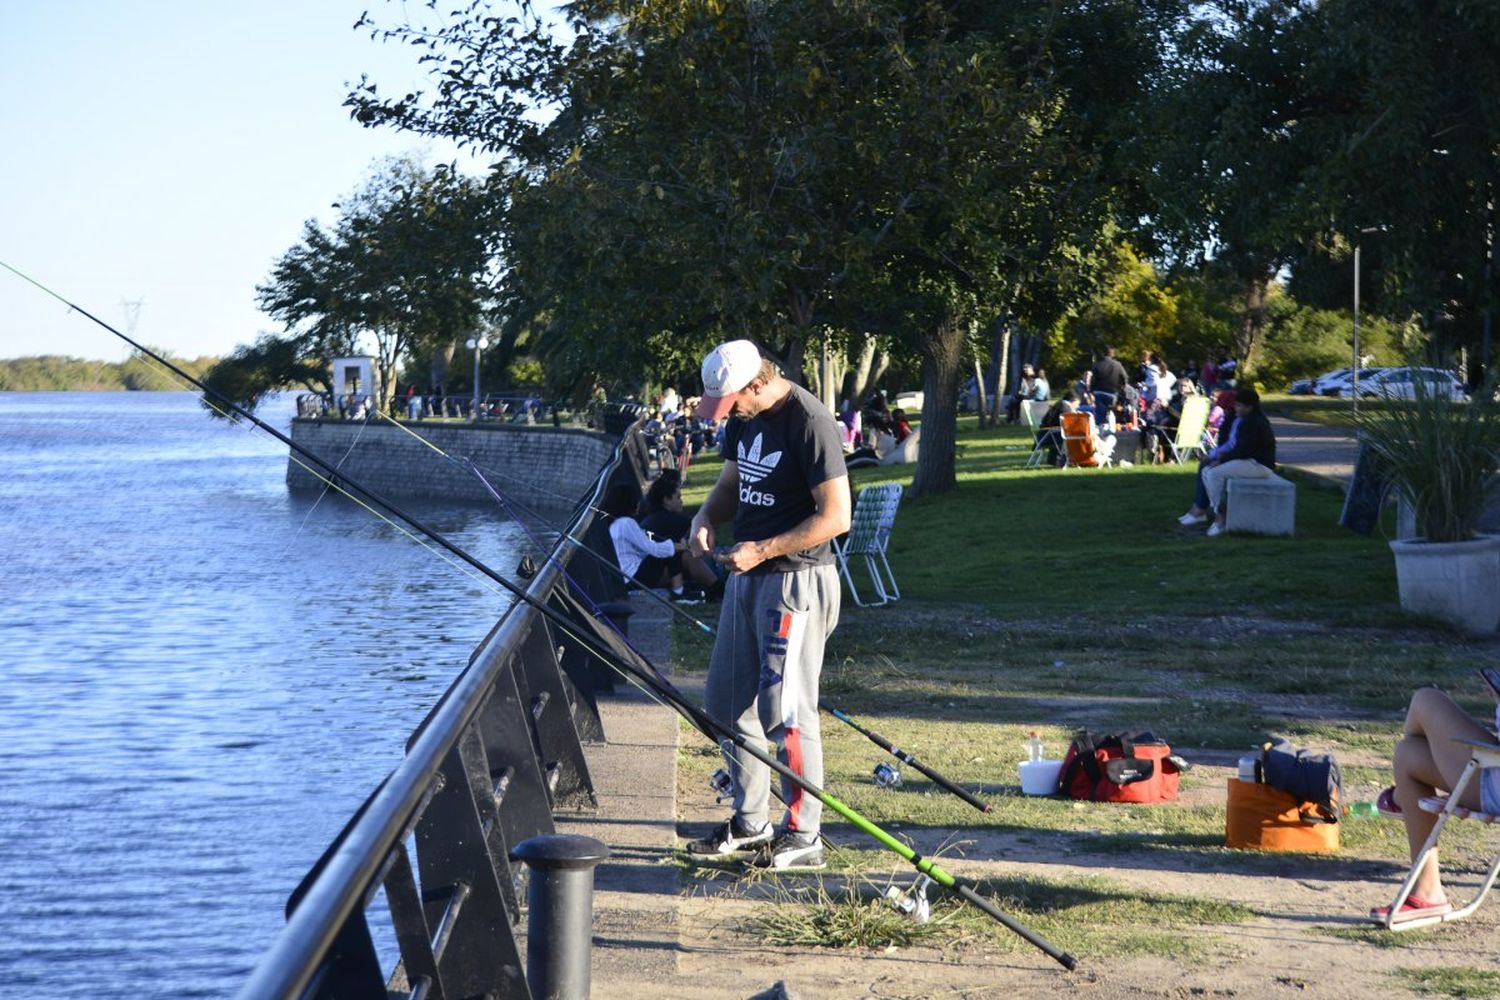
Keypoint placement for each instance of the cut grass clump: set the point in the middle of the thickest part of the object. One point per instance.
(859, 917)
(1462, 982)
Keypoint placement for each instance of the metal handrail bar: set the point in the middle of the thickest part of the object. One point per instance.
(299, 950)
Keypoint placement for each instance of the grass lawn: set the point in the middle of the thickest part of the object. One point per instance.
(1058, 599)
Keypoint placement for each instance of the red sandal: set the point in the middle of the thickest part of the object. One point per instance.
(1412, 909)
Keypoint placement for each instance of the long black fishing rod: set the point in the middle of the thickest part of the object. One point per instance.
(602, 645)
(905, 757)
(511, 506)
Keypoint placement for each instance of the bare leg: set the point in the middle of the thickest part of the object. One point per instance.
(1428, 760)
(697, 571)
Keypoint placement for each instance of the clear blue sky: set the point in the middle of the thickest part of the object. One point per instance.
(169, 151)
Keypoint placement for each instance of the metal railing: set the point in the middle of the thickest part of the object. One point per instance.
(500, 751)
(494, 408)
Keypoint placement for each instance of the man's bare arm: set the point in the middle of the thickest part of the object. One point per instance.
(830, 519)
(720, 506)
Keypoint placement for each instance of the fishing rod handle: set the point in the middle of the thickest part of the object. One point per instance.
(1062, 958)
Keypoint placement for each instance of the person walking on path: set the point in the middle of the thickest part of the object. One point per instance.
(785, 486)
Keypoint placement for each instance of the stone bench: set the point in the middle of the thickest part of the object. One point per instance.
(1262, 506)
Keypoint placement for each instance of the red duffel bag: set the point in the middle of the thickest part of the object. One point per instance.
(1120, 767)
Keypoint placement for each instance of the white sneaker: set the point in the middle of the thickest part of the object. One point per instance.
(1191, 519)
(1215, 529)
(730, 838)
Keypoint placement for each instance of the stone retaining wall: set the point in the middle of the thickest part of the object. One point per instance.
(535, 466)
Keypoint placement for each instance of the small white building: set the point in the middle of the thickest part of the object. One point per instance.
(356, 377)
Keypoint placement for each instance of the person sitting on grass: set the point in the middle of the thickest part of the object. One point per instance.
(1248, 453)
(1427, 759)
(650, 562)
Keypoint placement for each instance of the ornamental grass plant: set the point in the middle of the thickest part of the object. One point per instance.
(1440, 453)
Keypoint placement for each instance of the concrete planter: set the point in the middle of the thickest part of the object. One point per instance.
(1458, 582)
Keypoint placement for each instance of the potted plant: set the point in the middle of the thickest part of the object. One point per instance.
(1441, 455)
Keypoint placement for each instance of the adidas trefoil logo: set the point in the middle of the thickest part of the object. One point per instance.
(753, 466)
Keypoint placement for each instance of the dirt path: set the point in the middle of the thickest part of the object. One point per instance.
(1307, 938)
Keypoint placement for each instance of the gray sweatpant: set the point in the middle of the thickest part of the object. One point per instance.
(763, 680)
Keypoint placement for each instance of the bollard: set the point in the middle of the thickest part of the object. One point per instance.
(560, 925)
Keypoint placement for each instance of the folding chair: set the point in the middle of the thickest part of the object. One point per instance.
(1481, 755)
(1190, 428)
(1078, 441)
(1032, 411)
(869, 533)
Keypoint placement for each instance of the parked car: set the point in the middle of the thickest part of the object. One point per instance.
(1303, 387)
(1341, 386)
(1323, 381)
(1400, 383)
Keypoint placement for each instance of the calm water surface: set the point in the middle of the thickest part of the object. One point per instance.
(201, 677)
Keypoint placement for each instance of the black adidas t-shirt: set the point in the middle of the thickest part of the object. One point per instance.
(781, 457)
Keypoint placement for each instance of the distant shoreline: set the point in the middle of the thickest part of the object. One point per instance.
(57, 373)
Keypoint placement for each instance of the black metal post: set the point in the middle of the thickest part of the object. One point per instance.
(560, 926)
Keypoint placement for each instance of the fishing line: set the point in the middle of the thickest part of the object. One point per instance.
(467, 463)
(601, 644)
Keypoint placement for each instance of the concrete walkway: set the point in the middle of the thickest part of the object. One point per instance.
(1316, 449)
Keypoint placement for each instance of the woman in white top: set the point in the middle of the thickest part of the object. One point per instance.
(650, 562)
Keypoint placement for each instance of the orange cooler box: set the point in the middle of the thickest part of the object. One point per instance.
(1260, 817)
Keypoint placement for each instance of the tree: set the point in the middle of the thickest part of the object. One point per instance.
(407, 263)
(790, 171)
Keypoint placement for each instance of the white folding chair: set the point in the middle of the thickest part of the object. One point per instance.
(869, 533)
(1481, 755)
(1032, 411)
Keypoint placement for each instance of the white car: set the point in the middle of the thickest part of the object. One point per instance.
(1401, 383)
(1342, 385)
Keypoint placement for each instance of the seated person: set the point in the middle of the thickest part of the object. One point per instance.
(887, 448)
(1051, 423)
(1041, 391)
(648, 561)
(1427, 760)
(900, 426)
(662, 517)
(1248, 453)
(1160, 423)
(1026, 390)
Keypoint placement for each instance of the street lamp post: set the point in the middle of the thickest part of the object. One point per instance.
(1354, 378)
(479, 343)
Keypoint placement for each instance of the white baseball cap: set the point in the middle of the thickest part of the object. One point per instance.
(728, 368)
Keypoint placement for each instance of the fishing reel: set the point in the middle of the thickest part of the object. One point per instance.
(887, 775)
(912, 903)
(722, 785)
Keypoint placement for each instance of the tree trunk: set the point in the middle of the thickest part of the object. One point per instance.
(442, 361)
(858, 376)
(1002, 375)
(980, 397)
(1253, 320)
(942, 356)
(865, 385)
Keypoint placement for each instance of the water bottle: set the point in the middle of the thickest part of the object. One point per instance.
(1361, 810)
(1034, 750)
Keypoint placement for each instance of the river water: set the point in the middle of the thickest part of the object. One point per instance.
(201, 677)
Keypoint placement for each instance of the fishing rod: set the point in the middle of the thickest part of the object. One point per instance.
(905, 757)
(607, 648)
(511, 506)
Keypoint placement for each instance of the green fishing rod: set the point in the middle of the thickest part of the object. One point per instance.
(905, 757)
(603, 646)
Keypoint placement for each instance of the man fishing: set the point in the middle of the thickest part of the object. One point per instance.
(785, 486)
